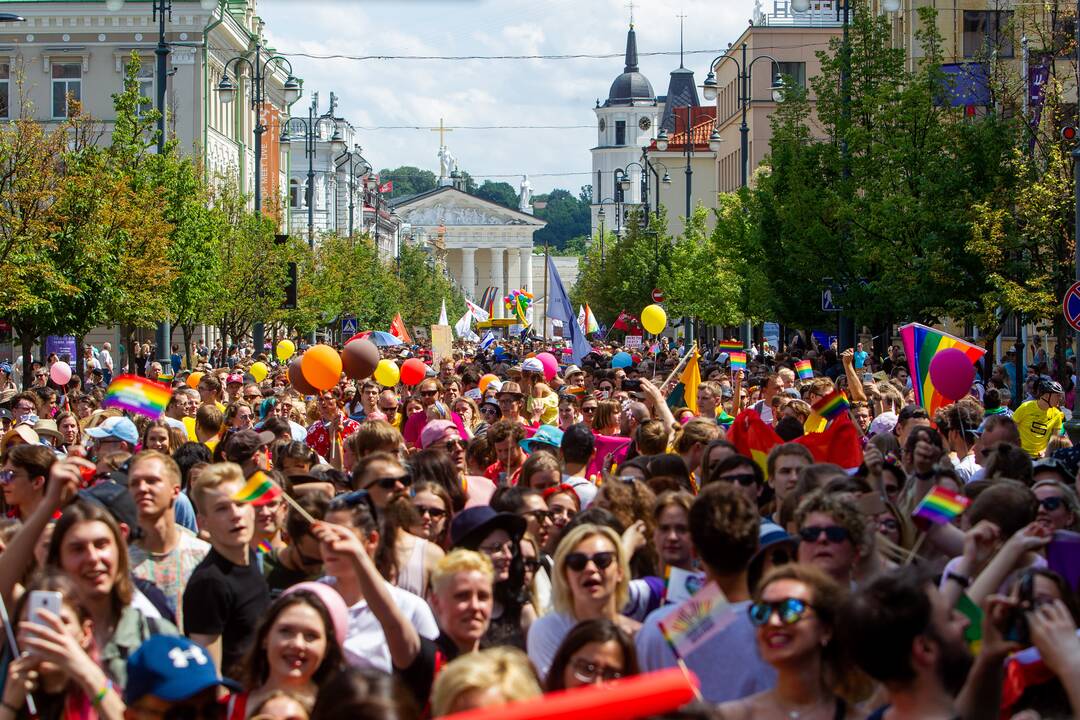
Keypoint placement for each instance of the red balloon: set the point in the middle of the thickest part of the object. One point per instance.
(296, 377)
(633, 697)
(952, 373)
(359, 358)
(413, 371)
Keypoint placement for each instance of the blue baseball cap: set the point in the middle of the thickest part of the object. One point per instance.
(545, 435)
(172, 668)
(117, 428)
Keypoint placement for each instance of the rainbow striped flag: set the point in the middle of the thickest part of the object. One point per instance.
(832, 405)
(921, 343)
(695, 621)
(805, 369)
(729, 345)
(258, 490)
(738, 362)
(940, 506)
(264, 547)
(137, 395)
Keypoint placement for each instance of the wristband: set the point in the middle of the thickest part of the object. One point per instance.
(102, 693)
(964, 582)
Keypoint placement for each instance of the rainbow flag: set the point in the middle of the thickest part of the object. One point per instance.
(921, 343)
(264, 547)
(738, 362)
(695, 621)
(729, 345)
(258, 490)
(940, 506)
(805, 369)
(137, 395)
(832, 405)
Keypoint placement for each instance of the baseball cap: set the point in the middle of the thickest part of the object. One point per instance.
(115, 499)
(532, 365)
(172, 668)
(434, 431)
(242, 445)
(236, 378)
(545, 435)
(117, 428)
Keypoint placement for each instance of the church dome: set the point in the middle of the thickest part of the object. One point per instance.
(631, 86)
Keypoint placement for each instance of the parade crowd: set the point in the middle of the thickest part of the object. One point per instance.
(500, 530)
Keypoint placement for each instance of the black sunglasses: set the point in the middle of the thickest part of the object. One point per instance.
(531, 564)
(1052, 503)
(833, 533)
(539, 515)
(791, 611)
(433, 512)
(744, 479)
(389, 483)
(578, 561)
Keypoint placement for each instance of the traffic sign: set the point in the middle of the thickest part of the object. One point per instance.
(657, 295)
(1071, 306)
(828, 302)
(348, 326)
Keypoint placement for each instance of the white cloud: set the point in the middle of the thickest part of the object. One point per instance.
(488, 92)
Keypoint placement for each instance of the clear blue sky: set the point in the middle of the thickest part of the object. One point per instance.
(488, 92)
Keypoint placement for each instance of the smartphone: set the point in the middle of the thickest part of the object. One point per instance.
(1016, 627)
(631, 384)
(43, 599)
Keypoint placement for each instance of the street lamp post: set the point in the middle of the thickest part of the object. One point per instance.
(600, 215)
(162, 12)
(311, 138)
(745, 76)
(227, 91)
(356, 163)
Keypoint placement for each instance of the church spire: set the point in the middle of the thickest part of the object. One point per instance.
(631, 52)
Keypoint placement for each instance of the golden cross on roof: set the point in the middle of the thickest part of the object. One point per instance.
(442, 130)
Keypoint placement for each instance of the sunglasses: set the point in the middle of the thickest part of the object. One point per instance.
(888, 524)
(587, 672)
(6, 476)
(451, 445)
(389, 483)
(531, 564)
(1049, 504)
(539, 515)
(433, 512)
(428, 393)
(578, 561)
(833, 533)
(388, 410)
(744, 479)
(588, 409)
(791, 611)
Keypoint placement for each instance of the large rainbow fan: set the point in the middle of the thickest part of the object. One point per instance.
(921, 343)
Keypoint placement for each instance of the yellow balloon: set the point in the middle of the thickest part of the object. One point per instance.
(387, 373)
(284, 350)
(654, 319)
(259, 371)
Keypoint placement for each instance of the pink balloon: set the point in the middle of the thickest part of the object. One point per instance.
(551, 365)
(952, 373)
(60, 373)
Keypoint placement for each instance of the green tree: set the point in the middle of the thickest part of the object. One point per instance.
(501, 193)
(408, 180)
(567, 217)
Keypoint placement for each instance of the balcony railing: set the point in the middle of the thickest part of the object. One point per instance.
(822, 13)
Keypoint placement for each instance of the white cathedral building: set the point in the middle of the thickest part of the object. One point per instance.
(626, 122)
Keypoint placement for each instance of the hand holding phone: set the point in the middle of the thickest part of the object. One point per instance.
(43, 600)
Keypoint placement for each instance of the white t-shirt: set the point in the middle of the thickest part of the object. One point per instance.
(105, 358)
(545, 636)
(365, 644)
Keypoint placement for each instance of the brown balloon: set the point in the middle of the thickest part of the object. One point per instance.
(359, 358)
(296, 377)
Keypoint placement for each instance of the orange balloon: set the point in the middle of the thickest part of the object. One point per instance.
(485, 381)
(194, 378)
(321, 366)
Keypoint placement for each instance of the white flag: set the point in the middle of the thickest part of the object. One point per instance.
(442, 314)
(478, 312)
(463, 327)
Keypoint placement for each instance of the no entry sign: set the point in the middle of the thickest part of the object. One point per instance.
(1071, 306)
(658, 295)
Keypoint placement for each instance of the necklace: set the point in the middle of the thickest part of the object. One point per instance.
(800, 711)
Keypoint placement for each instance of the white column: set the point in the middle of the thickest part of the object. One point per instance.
(468, 272)
(497, 279)
(525, 255)
(513, 276)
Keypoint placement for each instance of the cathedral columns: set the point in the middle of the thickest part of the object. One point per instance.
(497, 279)
(468, 272)
(513, 277)
(525, 255)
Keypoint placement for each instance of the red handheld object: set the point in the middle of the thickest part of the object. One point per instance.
(632, 697)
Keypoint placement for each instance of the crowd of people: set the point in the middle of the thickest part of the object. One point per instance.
(497, 532)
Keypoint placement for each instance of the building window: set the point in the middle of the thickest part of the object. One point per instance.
(66, 83)
(620, 132)
(146, 85)
(5, 87)
(794, 72)
(294, 193)
(985, 31)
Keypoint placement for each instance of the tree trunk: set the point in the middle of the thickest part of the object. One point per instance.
(27, 349)
(80, 362)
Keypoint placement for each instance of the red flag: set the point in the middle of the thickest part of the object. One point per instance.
(838, 443)
(625, 321)
(397, 329)
(386, 187)
(752, 437)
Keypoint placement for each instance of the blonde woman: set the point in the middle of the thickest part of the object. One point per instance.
(495, 676)
(469, 413)
(591, 580)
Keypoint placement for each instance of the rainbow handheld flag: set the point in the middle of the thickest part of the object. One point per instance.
(729, 345)
(264, 548)
(137, 395)
(805, 369)
(940, 506)
(832, 405)
(921, 343)
(738, 362)
(696, 620)
(258, 490)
